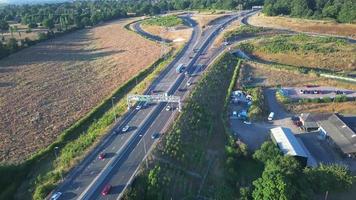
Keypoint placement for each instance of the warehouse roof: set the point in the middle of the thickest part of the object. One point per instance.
(287, 142)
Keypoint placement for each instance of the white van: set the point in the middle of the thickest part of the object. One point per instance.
(270, 116)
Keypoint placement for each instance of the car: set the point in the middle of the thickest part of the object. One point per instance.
(295, 118)
(106, 190)
(145, 105)
(270, 116)
(189, 83)
(234, 114)
(155, 136)
(101, 156)
(247, 122)
(56, 195)
(298, 123)
(138, 107)
(168, 108)
(126, 128)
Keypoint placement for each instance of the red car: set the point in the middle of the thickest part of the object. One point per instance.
(106, 190)
(101, 156)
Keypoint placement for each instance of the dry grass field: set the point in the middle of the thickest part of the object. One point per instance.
(47, 87)
(179, 34)
(204, 18)
(304, 25)
(257, 74)
(342, 56)
(21, 33)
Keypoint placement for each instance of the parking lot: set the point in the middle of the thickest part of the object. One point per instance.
(254, 134)
(312, 92)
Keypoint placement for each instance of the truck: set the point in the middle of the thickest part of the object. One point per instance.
(180, 68)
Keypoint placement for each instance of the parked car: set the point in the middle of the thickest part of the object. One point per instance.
(270, 116)
(101, 156)
(126, 128)
(298, 123)
(106, 190)
(56, 196)
(155, 136)
(247, 122)
(234, 114)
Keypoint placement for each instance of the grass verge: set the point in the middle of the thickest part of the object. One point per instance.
(166, 21)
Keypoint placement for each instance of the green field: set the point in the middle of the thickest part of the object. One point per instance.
(166, 21)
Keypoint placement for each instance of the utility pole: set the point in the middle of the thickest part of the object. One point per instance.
(112, 104)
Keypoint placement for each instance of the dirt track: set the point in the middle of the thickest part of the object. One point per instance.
(46, 88)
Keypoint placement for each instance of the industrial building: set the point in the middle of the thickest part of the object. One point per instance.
(288, 144)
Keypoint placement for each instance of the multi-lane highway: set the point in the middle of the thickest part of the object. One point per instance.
(126, 151)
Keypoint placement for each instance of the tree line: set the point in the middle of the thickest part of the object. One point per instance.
(340, 10)
(69, 16)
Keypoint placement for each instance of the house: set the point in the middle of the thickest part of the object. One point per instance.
(288, 144)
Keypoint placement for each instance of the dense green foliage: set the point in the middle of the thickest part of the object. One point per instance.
(166, 21)
(340, 10)
(257, 109)
(284, 178)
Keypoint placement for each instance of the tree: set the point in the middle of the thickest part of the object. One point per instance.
(347, 12)
(12, 45)
(268, 151)
(329, 178)
(48, 23)
(4, 26)
(32, 25)
(300, 8)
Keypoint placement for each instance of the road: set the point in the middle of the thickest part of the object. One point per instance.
(125, 152)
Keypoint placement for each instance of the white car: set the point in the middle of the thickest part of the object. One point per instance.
(56, 195)
(168, 108)
(189, 83)
(247, 122)
(138, 107)
(126, 128)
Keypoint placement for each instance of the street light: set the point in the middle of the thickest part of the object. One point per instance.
(112, 104)
(56, 149)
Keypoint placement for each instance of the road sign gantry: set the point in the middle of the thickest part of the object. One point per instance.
(153, 98)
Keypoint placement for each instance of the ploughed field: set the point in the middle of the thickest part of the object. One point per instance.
(46, 88)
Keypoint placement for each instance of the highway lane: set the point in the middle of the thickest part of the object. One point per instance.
(113, 145)
(120, 176)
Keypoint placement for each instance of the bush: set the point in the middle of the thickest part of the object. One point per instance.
(166, 21)
(247, 47)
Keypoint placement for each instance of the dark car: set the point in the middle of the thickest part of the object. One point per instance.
(106, 190)
(295, 118)
(155, 136)
(101, 156)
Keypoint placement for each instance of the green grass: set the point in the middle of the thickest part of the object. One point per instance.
(166, 21)
(73, 142)
(243, 30)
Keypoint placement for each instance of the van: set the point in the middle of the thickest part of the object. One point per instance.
(270, 116)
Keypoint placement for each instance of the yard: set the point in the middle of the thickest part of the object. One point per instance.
(46, 88)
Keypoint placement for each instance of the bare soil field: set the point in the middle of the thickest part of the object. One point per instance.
(179, 34)
(304, 25)
(47, 87)
(258, 74)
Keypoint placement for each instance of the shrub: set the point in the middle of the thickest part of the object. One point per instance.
(167, 21)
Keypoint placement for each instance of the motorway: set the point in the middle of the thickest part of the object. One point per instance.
(126, 151)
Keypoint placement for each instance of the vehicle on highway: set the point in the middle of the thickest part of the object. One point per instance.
(146, 104)
(270, 116)
(106, 190)
(340, 92)
(180, 68)
(138, 107)
(126, 128)
(168, 108)
(195, 50)
(189, 83)
(56, 196)
(101, 156)
(155, 136)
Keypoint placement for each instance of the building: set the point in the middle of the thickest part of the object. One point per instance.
(308, 122)
(339, 130)
(288, 144)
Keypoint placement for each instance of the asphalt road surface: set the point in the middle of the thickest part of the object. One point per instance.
(126, 151)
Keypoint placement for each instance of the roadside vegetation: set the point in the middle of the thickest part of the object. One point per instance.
(189, 161)
(341, 11)
(166, 21)
(257, 110)
(42, 172)
(305, 53)
(243, 30)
